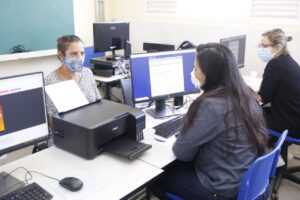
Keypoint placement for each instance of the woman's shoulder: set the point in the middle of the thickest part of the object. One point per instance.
(214, 104)
(51, 78)
(86, 70)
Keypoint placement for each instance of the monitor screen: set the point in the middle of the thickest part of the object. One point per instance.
(162, 75)
(23, 116)
(154, 47)
(110, 36)
(237, 45)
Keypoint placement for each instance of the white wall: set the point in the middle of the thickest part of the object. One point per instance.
(174, 30)
(84, 16)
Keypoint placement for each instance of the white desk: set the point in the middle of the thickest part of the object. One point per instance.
(160, 155)
(253, 82)
(107, 81)
(105, 177)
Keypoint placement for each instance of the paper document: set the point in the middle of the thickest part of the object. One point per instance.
(66, 95)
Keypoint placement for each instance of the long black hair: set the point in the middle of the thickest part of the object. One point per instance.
(223, 80)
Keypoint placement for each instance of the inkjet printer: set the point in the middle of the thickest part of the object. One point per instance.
(102, 126)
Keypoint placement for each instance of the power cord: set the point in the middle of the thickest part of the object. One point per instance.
(26, 178)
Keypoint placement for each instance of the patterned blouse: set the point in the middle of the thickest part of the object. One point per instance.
(87, 85)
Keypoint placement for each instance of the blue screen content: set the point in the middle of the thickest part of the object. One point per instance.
(162, 74)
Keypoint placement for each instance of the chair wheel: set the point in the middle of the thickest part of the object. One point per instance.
(274, 196)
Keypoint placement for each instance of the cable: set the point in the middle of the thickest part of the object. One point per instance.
(50, 177)
(26, 178)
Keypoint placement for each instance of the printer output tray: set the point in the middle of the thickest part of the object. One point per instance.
(127, 148)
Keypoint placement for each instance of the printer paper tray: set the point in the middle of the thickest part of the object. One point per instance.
(127, 148)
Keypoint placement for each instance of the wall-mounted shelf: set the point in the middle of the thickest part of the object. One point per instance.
(26, 55)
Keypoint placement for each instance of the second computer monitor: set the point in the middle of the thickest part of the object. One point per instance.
(155, 47)
(237, 45)
(162, 75)
(110, 36)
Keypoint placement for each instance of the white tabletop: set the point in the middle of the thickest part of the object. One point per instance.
(253, 82)
(108, 79)
(105, 177)
(160, 155)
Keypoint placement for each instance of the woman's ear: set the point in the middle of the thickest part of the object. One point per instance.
(60, 55)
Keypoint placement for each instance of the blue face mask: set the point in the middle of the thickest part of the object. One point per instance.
(265, 54)
(194, 80)
(73, 64)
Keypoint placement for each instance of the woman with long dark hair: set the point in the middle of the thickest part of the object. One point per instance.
(224, 132)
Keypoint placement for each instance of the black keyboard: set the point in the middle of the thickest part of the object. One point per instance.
(32, 191)
(169, 128)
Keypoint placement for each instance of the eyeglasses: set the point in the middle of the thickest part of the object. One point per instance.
(265, 45)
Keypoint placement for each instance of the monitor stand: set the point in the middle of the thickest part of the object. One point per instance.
(178, 101)
(160, 110)
(9, 183)
(113, 56)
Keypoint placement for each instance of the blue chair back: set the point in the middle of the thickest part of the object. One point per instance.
(288, 138)
(256, 180)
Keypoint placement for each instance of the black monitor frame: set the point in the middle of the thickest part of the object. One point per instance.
(241, 40)
(155, 47)
(161, 110)
(7, 180)
(36, 140)
(110, 36)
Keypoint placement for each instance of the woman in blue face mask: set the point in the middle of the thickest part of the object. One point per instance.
(281, 83)
(71, 54)
(223, 132)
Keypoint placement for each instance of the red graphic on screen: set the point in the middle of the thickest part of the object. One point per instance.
(2, 127)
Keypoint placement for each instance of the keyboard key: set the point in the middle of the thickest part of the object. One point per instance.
(169, 128)
(30, 192)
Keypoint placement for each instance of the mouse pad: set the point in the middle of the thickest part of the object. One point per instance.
(127, 148)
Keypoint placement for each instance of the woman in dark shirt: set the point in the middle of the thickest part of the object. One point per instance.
(224, 132)
(281, 83)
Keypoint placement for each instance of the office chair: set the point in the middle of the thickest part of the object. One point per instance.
(285, 171)
(255, 182)
(126, 91)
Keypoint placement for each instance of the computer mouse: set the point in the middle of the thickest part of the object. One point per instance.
(71, 183)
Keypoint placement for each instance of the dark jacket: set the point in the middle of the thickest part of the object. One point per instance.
(281, 87)
(220, 158)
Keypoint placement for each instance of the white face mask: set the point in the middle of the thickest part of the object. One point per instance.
(265, 54)
(194, 80)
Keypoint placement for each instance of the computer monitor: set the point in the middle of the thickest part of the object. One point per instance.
(237, 45)
(23, 116)
(23, 119)
(162, 75)
(154, 47)
(110, 36)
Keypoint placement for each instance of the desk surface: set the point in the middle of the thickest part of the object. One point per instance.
(160, 155)
(108, 79)
(253, 82)
(105, 177)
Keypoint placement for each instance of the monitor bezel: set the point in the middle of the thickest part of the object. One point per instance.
(166, 96)
(37, 140)
(223, 40)
(102, 49)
